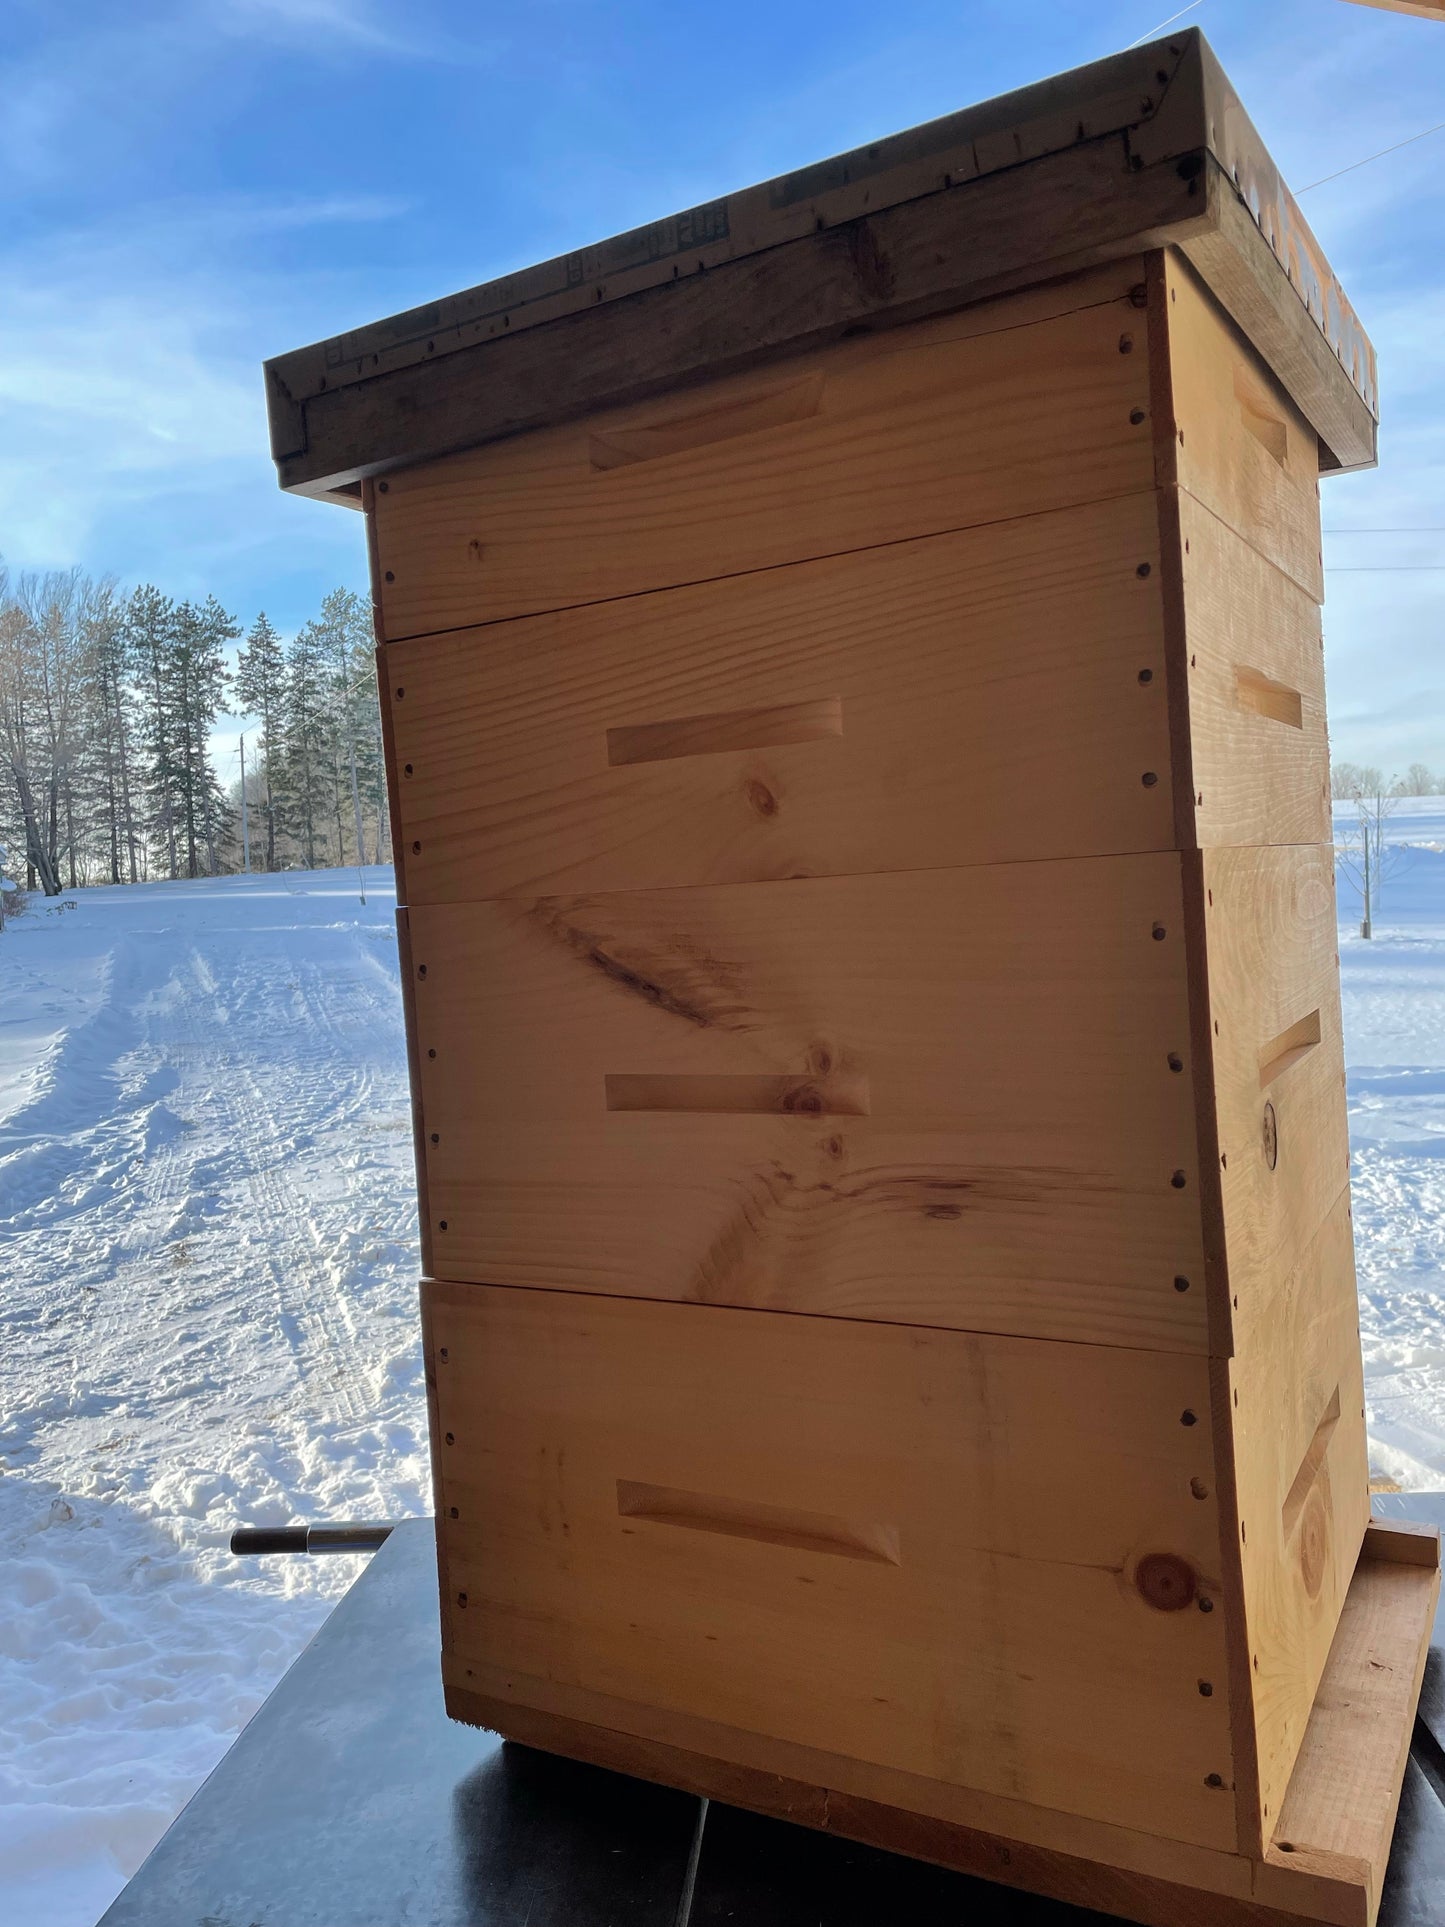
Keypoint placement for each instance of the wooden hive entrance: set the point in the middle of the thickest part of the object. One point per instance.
(856, 731)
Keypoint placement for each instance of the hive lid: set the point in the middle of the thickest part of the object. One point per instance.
(1147, 148)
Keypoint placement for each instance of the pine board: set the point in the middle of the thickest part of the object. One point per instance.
(1014, 407)
(1327, 1871)
(955, 1097)
(1255, 663)
(975, 697)
(853, 1538)
(1278, 1051)
(1233, 438)
(1293, 1399)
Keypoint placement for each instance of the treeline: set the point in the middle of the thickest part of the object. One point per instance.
(1351, 781)
(108, 701)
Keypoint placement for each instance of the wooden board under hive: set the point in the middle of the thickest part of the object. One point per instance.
(868, 937)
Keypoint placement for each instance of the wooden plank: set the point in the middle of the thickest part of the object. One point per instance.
(1239, 444)
(1426, 9)
(1326, 1864)
(1255, 666)
(1062, 214)
(1029, 1634)
(1294, 1401)
(1014, 407)
(1122, 155)
(987, 1121)
(1108, 97)
(1340, 1809)
(1234, 261)
(1260, 259)
(408, 1002)
(766, 726)
(1273, 989)
(1174, 1891)
(1403, 1542)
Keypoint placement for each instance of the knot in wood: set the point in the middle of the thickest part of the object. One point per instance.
(1165, 1581)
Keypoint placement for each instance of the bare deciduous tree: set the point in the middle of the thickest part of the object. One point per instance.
(1364, 853)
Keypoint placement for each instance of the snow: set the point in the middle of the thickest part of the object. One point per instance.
(210, 1263)
(1394, 1008)
(206, 1211)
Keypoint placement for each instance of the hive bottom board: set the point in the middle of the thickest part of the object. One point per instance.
(1326, 1865)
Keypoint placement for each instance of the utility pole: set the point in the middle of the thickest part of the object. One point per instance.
(245, 820)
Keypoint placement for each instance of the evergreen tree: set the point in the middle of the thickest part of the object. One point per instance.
(198, 678)
(107, 703)
(261, 687)
(344, 633)
(150, 623)
(308, 735)
(111, 727)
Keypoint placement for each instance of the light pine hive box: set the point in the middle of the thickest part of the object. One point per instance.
(852, 670)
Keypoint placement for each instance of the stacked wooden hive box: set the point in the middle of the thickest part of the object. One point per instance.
(852, 665)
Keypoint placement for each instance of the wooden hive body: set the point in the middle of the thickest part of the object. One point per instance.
(862, 825)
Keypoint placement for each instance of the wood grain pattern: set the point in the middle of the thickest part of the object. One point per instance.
(1255, 668)
(873, 269)
(966, 419)
(1340, 1809)
(756, 728)
(1084, 1863)
(1027, 1161)
(1294, 1398)
(975, 697)
(1272, 974)
(1181, 1887)
(965, 698)
(1239, 444)
(1241, 271)
(1024, 1641)
(1405, 1542)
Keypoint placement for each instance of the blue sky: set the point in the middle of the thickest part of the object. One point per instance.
(191, 185)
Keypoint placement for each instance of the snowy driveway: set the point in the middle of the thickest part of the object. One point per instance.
(209, 1256)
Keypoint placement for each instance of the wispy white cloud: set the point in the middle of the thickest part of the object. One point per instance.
(321, 27)
(130, 372)
(341, 23)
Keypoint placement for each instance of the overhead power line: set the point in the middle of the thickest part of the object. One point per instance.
(1420, 528)
(1166, 23)
(1408, 142)
(1389, 568)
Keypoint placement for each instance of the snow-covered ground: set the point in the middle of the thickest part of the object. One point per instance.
(1394, 1008)
(208, 1252)
(209, 1261)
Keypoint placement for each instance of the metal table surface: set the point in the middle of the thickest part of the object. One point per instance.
(351, 1800)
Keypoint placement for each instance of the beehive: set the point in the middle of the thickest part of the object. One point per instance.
(852, 669)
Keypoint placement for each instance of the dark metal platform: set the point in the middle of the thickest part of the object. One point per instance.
(351, 1800)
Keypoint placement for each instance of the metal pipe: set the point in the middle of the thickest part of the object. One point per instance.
(342, 1538)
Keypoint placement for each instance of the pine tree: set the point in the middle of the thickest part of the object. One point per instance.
(261, 687)
(308, 734)
(111, 726)
(198, 679)
(344, 631)
(150, 623)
